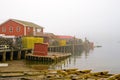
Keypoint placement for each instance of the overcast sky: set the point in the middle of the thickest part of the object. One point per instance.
(95, 19)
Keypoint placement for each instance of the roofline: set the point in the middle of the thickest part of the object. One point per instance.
(16, 22)
(4, 22)
(11, 20)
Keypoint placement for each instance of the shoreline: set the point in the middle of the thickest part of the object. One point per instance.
(18, 70)
(64, 74)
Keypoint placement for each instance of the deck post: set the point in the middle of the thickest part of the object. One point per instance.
(25, 54)
(57, 49)
(73, 46)
(54, 49)
(51, 49)
(19, 55)
(60, 49)
(64, 49)
(4, 56)
(11, 55)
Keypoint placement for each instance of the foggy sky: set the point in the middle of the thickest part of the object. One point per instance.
(98, 20)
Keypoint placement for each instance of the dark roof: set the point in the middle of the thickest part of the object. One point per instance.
(49, 35)
(26, 23)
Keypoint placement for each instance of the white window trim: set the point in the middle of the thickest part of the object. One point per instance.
(34, 31)
(10, 29)
(28, 29)
(3, 29)
(18, 29)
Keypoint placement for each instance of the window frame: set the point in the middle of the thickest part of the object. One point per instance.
(10, 29)
(3, 29)
(18, 28)
(28, 29)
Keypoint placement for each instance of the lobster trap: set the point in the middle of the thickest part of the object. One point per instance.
(10, 43)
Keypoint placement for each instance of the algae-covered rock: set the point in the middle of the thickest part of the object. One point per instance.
(65, 74)
(11, 74)
(73, 69)
(84, 76)
(114, 77)
(99, 73)
(85, 71)
(62, 72)
(32, 73)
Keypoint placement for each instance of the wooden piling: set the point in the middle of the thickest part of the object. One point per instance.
(11, 55)
(4, 56)
(49, 58)
(19, 55)
(25, 53)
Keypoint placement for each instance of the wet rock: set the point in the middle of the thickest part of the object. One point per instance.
(114, 77)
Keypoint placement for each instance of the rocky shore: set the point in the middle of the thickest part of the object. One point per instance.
(64, 74)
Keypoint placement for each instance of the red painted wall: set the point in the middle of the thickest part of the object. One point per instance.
(40, 49)
(14, 25)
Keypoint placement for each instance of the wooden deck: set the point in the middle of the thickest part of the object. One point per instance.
(9, 54)
(71, 48)
(52, 57)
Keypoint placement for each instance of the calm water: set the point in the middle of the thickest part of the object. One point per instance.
(106, 57)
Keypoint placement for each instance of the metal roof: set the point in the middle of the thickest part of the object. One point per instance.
(26, 23)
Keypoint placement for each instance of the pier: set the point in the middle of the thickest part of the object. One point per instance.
(51, 57)
(10, 54)
(71, 48)
(55, 53)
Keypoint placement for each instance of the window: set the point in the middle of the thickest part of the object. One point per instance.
(18, 29)
(11, 29)
(28, 29)
(38, 30)
(3, 29)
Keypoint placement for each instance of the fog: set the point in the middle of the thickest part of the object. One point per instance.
(98, 20)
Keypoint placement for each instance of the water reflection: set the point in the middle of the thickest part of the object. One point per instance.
(66, 63)
(48, 65)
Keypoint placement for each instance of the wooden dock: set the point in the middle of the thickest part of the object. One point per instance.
(9, 54)
(67, 48)
(51, 57)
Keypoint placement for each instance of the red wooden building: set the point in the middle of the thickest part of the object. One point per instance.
(40, 49)
(20, 28)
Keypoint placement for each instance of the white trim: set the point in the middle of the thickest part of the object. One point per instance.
(24, 30)
(34, 31)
